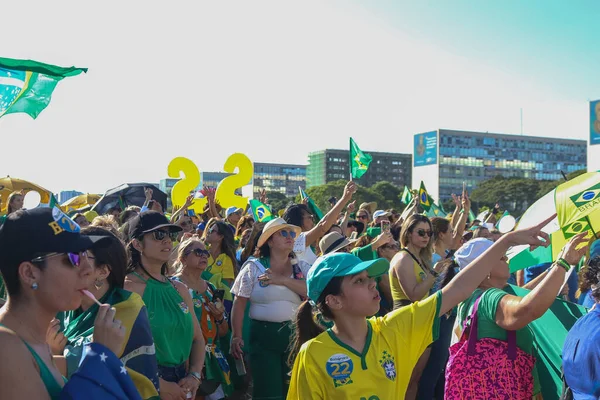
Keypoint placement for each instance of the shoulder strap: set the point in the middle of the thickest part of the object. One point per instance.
(511, 336)
(416, 259)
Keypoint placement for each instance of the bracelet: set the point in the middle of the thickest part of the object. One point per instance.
(219, 322)
(434, 273)
(563, 263)
(196, 376)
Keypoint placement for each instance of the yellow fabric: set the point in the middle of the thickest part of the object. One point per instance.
(397, 292)
(221, 266)
(397, 341)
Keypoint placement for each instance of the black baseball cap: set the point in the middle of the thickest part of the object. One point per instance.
(149, 221)
(27, 234)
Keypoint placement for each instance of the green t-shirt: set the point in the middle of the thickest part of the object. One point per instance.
(365, 253)
(487, 327)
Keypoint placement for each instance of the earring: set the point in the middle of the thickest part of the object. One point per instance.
(98, 284)
(34, 285)
(489, 276)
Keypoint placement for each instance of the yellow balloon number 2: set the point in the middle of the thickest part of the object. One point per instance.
(186, 185)
(225, 195)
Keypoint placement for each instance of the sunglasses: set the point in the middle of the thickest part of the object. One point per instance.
(423, 233)
(199, 253)
(285, 234)
(162, 235)
(74, 258)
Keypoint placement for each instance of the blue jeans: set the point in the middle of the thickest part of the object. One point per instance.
(434, 371)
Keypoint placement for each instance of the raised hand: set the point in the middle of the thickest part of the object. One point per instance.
(572, 252)
(533, 236)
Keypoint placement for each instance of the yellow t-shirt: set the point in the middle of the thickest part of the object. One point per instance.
(396, 289)
(326, 368)
(222, 265)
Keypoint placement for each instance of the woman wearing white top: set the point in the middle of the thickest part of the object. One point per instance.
(274, 283)
(299, 216)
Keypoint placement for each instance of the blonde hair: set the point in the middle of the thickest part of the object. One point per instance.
(108, 222)
(10, 199)
(209, 225)
(181, 253)
(408, 226)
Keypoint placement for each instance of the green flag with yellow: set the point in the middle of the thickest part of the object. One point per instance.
(261, 212)
(359, 161)
(424, 198)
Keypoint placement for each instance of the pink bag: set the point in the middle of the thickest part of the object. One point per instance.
(488, 368)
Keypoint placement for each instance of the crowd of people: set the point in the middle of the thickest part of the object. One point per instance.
(362, 303)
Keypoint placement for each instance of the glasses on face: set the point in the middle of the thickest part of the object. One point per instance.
(423, 233)
(74, 258)
(287, 234)
(161, 235)
(362, 216)
(185, 223)
(391, 247)
(199, 252)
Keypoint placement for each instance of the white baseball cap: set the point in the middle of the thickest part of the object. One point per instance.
(469, 251)
(381, 213)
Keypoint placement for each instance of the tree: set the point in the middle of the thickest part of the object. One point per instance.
(278, 201)
(548, 186)
(320, 195)
(391, 195)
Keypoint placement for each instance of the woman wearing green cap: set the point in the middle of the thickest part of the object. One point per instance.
(360, 358)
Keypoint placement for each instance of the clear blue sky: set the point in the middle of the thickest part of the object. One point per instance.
(552, 42)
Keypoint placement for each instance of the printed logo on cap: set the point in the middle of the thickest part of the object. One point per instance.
(62, 223)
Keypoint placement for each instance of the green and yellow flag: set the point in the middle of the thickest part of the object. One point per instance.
(359, 161)
(406, 196)
(312, 206)
(26, 86)
(261, 212)
(424, 198)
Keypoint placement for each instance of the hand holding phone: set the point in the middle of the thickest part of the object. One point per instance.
(385, 226)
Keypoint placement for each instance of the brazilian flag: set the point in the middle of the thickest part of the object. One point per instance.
(261, 211)
(406, 196)
(26, 86)
(424, 198)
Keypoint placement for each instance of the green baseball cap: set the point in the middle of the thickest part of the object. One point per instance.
(340, 264)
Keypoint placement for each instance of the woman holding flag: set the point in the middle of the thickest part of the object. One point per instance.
(311, 233)
(109, 263)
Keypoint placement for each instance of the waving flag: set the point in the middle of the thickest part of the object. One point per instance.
(359, 161)
(26, 86)
(312, 206)
(424, 198)
(261, 211)
(406, 196)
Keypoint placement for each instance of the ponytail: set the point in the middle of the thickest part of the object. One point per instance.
(306, 329)
(307, 324)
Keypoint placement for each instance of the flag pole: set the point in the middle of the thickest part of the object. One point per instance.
(350, 159)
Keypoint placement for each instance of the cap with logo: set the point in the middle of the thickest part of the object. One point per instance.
(27, 234)
(232, 210)
(340, 264)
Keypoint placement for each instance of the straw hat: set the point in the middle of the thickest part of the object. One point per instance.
(275, 225)
(334, 241)
(370, 207)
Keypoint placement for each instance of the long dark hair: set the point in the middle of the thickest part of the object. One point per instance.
(250, 248)
(306, 328)
(589, 277)
(228, 243)
(246, 222)
(293, 214)
(135, 260)
(109, 252)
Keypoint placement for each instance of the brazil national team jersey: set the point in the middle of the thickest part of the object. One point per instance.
(326, 368)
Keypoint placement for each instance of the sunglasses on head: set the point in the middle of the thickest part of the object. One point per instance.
(423, 233)
(161, 235)
(285, 233)
(74, 258)
(199, 252)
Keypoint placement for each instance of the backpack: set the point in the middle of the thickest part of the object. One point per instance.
(488, 368)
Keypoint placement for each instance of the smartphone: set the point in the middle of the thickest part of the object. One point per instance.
(218, 294)
(240, 367)
(464, 186)
(385, 226)
(191, 213)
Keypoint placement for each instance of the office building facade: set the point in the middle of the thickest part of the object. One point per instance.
(444, 159)
(67, 195)
(330, 165)
(282, 178)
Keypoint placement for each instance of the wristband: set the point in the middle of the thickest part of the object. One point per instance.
(563, 263)
(196, 376)
(219, 322)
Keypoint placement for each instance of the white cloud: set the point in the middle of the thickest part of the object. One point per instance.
(272, 79)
